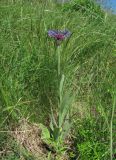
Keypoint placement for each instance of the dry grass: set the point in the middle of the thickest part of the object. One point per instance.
(29, 136)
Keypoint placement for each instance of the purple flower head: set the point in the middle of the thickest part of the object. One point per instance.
(59, 35)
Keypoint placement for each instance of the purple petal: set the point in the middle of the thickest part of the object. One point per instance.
(52, 33)
(66, 33)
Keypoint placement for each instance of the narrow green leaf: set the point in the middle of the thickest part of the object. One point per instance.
(61, 86)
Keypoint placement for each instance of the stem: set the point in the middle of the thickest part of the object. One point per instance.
(111, 130)
(59, 73)
(58, 54)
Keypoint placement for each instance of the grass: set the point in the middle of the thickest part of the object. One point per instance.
(28, 72)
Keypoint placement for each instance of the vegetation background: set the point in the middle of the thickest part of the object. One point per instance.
(28, 75)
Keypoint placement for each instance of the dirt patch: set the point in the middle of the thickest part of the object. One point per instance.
(29, 136)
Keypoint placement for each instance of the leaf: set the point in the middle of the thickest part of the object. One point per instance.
(56, 134)
(53, 121)
(64, 108)
(61, 86)
(45, 132)
(66, 128)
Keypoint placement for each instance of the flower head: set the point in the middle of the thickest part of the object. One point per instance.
(59, 35)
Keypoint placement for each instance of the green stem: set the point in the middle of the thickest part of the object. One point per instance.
(111, 129)
(59, 73)
(58, 54)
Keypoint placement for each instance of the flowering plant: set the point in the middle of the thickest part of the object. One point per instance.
(60, 124)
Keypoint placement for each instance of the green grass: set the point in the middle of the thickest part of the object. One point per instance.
(28, 70)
